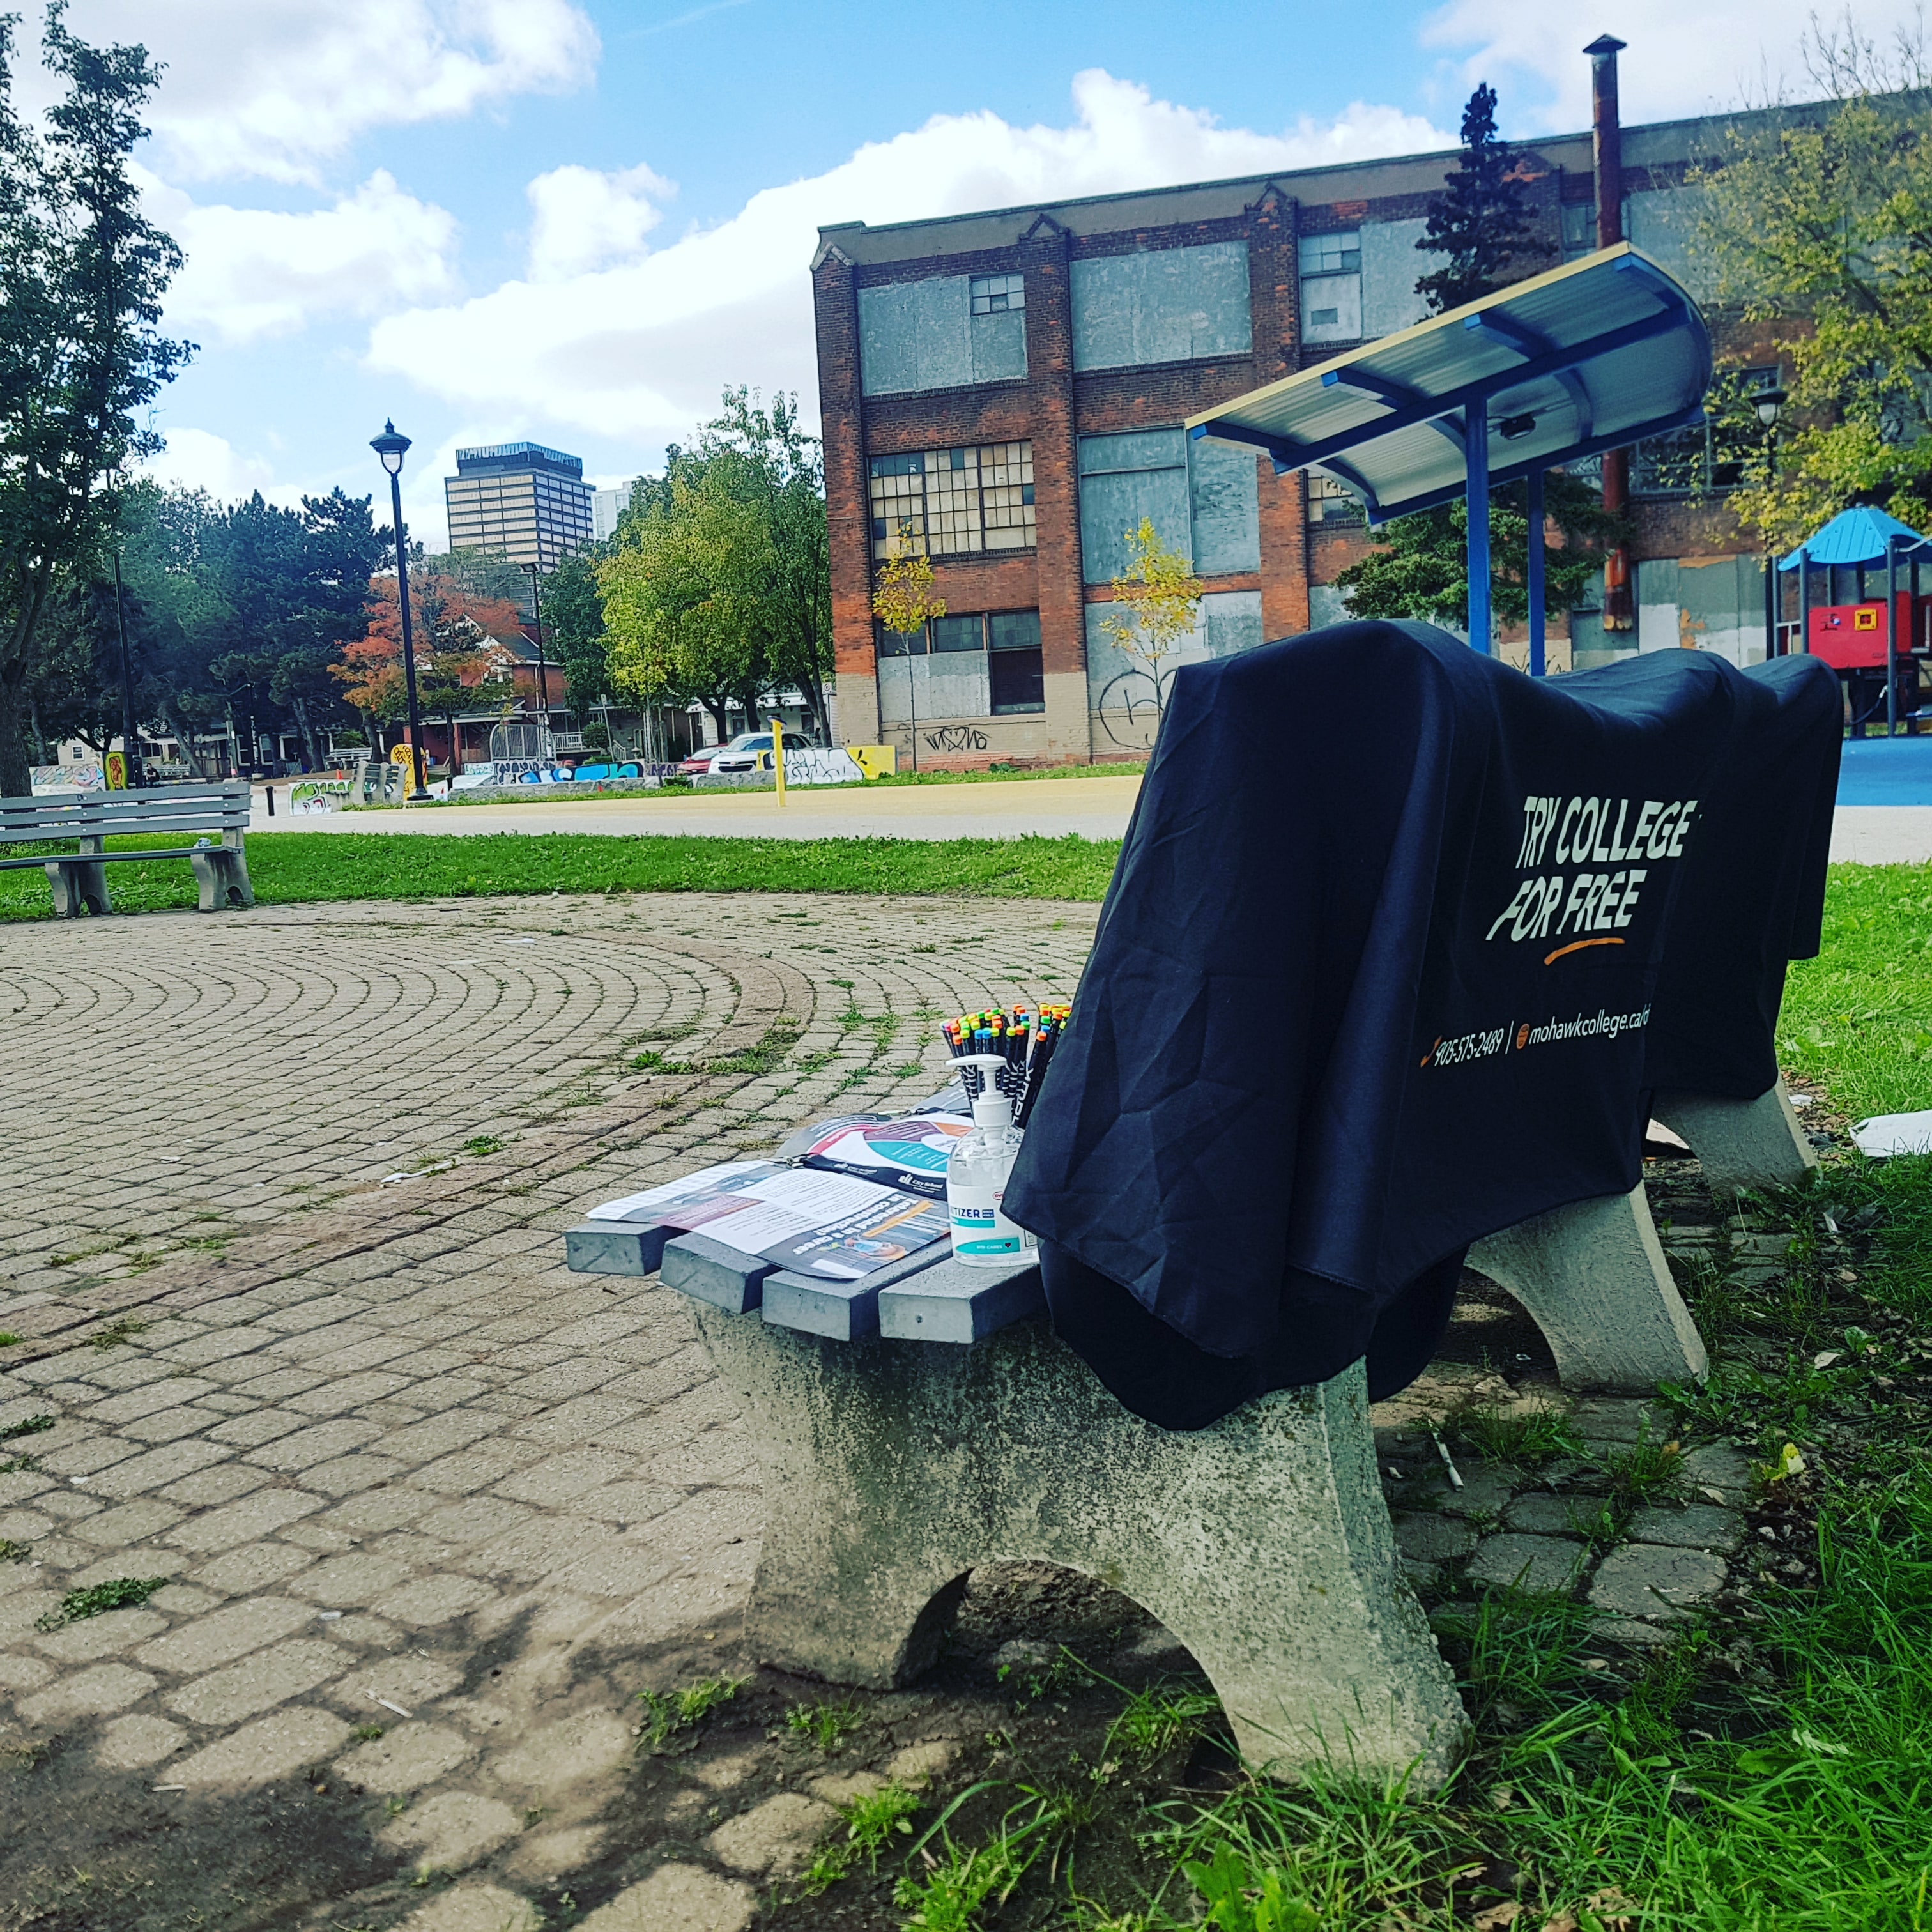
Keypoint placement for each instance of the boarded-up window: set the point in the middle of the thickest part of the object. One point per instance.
(944, 333)
(1161, 305)
(1200, 495)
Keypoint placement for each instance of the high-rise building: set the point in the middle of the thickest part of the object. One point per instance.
(518, 500)
(606, 507)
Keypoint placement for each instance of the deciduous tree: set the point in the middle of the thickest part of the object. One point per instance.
(1157, 603)
(1820, 227)
(83, 272)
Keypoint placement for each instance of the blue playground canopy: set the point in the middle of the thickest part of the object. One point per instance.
(1861, 535)
(1599, 353)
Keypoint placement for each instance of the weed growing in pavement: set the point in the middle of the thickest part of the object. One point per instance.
(825, 1726)
(8, 1339)
(1522, 1439)
(480, 1144)
(871, 1820)
(20, 1465)
(11, 1551)
(1645, 1472)
(33, 1425)
(671, 1711)
(366, 1734)
(122, 1329)
(122, 1593)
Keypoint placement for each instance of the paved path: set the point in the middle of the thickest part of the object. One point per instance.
(390, 1456)
(279, 1267)
(1093, 808)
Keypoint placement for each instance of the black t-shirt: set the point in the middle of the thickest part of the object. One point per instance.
(1399, 941)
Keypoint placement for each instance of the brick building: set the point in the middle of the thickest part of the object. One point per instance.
(1008, 389)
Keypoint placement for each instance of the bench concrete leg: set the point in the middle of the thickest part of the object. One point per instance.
(79, 885)
(1593, 1278)
(892, 1468)
(222, 874)
(1741, 1144)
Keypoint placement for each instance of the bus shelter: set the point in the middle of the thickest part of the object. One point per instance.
(1589, 357)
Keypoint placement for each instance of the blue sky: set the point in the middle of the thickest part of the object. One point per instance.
(575, 219)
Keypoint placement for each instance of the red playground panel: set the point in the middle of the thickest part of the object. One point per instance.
(1851, 637)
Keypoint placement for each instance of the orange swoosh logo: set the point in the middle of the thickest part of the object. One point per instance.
(1577, 946)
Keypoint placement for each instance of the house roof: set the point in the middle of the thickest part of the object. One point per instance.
(1587, 357)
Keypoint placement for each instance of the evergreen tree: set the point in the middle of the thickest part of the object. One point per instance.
(1481, 221)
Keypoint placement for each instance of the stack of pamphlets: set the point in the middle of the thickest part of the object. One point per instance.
(833, 1224)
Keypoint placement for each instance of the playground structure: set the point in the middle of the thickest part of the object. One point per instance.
(1878, 644)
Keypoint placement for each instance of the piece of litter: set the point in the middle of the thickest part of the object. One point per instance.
(329, 1616)
(1885, 1135)
(1442, 1450)
(80, 1479)
(169, 1787)
(1520, 1358)
(1830, 1222)
(390, 1180)
(387, 1706)
(1801, 1099)
(1825, 1358)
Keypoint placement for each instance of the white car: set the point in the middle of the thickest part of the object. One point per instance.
(749, 751)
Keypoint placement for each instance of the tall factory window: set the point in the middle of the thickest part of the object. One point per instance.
(954, 503)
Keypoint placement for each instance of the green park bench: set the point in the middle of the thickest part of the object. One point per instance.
(80, 878)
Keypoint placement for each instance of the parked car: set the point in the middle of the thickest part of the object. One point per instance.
(749, 751)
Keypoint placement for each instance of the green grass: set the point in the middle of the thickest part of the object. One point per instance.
(826, 1727)
(300, 867)
(1859, 1017)
(669, 1712)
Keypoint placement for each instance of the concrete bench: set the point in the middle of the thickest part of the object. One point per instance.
(79, 879)
(916, 1425)
(1592, 1275)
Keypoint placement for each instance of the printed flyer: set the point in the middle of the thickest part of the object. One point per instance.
(833, 1224)
(909, 1153)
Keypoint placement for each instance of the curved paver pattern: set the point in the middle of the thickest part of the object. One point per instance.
(282, 1241)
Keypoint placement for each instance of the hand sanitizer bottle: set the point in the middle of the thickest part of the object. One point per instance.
(976, 1175)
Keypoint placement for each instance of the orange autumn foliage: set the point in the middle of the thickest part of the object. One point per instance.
(457, 640)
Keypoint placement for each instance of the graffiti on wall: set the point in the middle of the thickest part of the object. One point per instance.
(956, 738)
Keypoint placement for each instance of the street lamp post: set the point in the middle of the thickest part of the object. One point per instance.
(392, 447)
(543, 676)
(130, 757)
(1768, 402)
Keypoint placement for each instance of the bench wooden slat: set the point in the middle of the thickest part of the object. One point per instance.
(953, 1302)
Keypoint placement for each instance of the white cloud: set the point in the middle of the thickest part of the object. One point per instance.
(254, 272)
(1682, 60)
(198, 459)
(641, 349)
(584, 220)
(274, 87)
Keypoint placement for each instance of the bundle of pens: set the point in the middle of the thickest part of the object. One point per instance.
(1025, 1039)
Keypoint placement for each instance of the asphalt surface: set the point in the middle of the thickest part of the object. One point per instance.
(1093, 808)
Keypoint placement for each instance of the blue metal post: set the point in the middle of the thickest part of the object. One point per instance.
(1536, 666)
(1476, 459)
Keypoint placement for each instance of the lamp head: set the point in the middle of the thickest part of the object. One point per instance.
(391, 447)
(1768, 402)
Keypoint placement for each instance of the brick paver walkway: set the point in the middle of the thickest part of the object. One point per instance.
(281, 1242)
(280, 1269)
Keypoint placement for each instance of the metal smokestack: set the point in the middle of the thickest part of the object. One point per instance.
(1607, 141)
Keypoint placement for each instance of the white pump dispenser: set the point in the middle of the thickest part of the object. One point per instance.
(976, 1175)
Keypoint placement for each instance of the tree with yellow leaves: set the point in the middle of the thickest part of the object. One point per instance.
(1156, 604)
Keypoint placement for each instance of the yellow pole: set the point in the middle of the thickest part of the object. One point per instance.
(778, 754)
